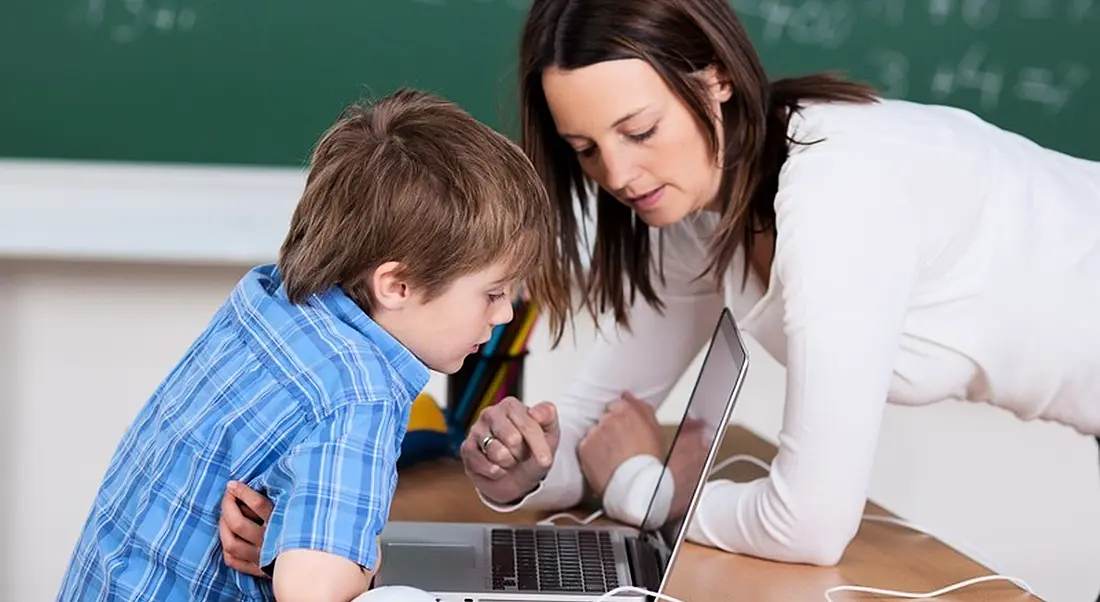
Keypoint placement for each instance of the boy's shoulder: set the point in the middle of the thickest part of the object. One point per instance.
(327, 351)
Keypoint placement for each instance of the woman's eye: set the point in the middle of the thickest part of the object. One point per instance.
(646, 135)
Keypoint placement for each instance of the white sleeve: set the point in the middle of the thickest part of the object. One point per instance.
(633, 487)
(846, 255)
(647, 361)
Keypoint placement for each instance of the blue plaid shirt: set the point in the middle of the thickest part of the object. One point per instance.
(307, 404)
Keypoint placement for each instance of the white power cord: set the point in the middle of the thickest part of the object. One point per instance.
(580, 521)
(912, 596)
(843, 588)
(964, 550)
(635, 590)
(739, 458)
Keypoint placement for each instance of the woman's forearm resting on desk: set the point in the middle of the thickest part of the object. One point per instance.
(745, 518)
(735, 517)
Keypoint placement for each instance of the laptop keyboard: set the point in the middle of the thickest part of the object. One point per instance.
(553, 560)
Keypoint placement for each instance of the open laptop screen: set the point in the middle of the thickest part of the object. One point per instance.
(707, 411)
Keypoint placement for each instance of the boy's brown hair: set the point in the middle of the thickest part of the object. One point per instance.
(415, 179)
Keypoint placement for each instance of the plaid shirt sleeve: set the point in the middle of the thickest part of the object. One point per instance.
(332, 492)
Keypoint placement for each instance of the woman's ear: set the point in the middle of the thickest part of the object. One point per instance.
(718, 84)
(391, 290)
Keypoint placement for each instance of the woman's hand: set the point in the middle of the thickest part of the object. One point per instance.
(241, 527)
(510, 448)
(628, 428)
(686, 462)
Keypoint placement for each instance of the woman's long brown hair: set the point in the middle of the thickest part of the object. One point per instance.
(678, 38)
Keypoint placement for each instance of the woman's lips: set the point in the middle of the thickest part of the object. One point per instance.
(648, 200)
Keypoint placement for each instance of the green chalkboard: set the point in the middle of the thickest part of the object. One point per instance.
(255, 82)
(1032, 66)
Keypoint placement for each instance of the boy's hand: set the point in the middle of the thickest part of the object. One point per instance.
(518, 455)
(241, 527)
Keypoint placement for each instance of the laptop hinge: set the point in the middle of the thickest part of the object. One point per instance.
(661, 550)
(645, 562)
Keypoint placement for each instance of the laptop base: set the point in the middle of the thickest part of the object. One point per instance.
(478, 562)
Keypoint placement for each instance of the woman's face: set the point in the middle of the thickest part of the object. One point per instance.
(636, 138)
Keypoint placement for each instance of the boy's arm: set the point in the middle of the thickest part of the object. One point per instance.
(331, 496)
(312, 575)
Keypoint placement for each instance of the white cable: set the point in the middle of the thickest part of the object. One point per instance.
(581, 521)
(848, 588)
(915, 596)
(635, 590)
(738, 458)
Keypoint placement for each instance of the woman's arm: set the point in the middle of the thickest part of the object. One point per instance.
(647, 361)
(847, 259)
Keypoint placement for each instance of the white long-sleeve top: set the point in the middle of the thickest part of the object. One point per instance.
(921, 255)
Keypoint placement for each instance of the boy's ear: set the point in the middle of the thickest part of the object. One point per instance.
(391, 290)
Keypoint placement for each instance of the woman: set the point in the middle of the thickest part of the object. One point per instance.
(882, 250)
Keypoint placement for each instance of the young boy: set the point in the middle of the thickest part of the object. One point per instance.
(414, 226)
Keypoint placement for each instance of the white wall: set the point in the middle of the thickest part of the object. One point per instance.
(82, 344)
(9, 488)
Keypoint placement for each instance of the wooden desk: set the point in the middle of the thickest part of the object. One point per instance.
(882, 555)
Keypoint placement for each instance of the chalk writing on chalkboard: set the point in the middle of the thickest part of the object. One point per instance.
(126, 21)
(828, 24)
(977, 72)
(1047, 86)
(516, 4)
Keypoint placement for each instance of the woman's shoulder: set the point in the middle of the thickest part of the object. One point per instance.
(891, 131)
(850, 162)
(888, 145)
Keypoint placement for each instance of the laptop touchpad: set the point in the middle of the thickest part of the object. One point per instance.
(430, 566)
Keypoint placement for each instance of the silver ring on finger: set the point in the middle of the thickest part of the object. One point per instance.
(486, 441)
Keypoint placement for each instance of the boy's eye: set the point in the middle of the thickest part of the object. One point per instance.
(494, 297)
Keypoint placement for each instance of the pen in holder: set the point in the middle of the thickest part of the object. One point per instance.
(482, 381)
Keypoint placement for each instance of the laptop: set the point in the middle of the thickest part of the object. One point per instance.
(479, 562)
